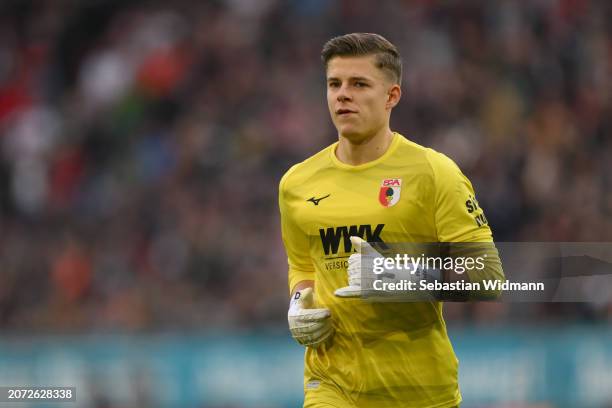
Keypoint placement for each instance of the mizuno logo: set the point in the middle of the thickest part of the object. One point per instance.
(315, 201)
(332, 237)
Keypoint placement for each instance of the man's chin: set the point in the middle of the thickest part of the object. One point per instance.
(352, 135)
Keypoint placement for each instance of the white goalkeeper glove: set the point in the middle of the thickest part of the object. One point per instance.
(361, 276)
(309, 327)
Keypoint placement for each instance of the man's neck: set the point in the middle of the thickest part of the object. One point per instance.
(366, 150)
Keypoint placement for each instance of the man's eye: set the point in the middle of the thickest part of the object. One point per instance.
(333, 85)
(360, 84)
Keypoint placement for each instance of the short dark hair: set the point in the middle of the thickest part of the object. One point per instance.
(358, 44)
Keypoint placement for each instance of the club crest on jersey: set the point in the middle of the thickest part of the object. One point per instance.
(389, 193)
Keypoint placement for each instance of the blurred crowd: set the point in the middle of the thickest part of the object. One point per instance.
(141, 145)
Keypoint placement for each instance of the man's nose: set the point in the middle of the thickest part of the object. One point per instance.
(343, 98)
(343, 94)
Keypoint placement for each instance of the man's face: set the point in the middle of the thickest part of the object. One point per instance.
(360, 96)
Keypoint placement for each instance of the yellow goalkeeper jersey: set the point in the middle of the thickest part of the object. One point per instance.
(382, 354)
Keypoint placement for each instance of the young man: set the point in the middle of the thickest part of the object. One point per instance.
(376, 185)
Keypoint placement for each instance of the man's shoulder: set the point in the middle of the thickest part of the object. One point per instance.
(429, 156)
(304, 170)
(439, 161)
(444, 171)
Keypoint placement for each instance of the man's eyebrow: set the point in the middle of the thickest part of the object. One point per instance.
(356, 78)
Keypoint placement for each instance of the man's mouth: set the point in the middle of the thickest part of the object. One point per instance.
(344, 112)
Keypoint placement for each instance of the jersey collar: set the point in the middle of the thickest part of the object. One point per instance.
(390, 150)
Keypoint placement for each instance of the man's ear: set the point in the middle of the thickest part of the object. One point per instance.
(393, 96)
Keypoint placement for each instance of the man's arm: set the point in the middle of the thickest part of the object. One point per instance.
(462, 225)
(309, 326)
(295, 240)
(490, 268)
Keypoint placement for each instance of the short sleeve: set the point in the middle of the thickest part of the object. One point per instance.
(296, 242)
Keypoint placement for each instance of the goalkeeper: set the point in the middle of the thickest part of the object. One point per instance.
(373, 185)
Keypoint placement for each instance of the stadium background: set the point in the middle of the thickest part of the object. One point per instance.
(140, 149)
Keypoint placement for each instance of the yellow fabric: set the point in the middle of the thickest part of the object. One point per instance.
(383, 354)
